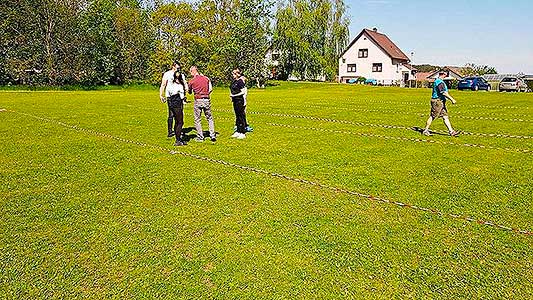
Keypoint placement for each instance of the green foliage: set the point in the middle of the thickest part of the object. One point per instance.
(310, 35)
(101, 42)
(530, 84)
(472, 69)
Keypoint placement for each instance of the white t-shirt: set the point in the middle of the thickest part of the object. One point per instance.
(173, 88)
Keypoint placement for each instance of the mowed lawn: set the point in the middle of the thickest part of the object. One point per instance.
(94, 203)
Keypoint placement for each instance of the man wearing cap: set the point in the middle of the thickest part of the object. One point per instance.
(438, 105)
(202, 88)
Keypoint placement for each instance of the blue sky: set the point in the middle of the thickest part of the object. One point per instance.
(491, 32)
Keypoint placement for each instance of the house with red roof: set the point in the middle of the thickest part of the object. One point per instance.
(373, 55)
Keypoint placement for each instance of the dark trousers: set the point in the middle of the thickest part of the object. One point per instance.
(240, 114)
(170, 119)
(175, 112)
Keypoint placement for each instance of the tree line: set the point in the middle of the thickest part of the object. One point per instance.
(98, 42)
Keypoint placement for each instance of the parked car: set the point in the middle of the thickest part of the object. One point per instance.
(371, 81)
(474, 84)
(512, 84)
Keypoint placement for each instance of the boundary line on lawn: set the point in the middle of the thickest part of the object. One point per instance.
(398, 138)
(496, 135)
(402, 138)
(289, 178)
(518, 117)
(347, 100)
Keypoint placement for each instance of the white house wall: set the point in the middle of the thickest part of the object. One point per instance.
(390, 74)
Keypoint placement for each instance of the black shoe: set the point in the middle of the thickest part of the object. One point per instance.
(213, 139)
(180, 143)
(171, 134)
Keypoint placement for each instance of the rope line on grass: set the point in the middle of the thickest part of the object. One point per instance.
(518, 117)
(402, 138)
(346, 100)
(372, 198)
(496, 135)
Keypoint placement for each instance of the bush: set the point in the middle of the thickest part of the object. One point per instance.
(530, 85)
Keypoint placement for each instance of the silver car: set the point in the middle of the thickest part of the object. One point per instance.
(512, 84)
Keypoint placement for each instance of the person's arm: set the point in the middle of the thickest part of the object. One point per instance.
(242, 87)
(162, 89)
(243, 92)
(448, 96)
(190, 87)
(210, 87)
(444, 92)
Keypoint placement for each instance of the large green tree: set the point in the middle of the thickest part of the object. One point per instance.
(310, 35)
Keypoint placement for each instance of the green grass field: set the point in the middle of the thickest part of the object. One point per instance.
(94, 202)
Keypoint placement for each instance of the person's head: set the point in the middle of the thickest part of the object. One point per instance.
(442, 74)
(236, 73)
(194, 71)
(176, 65)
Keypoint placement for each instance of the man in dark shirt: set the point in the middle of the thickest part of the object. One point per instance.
(438, 105)
(202, 88)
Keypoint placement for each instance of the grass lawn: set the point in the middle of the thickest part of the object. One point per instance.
(94, 202)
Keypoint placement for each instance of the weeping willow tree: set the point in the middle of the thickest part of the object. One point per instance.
(310, 35)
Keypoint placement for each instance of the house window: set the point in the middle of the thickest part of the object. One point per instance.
(352, 68)
(377, 67)
(363, 53)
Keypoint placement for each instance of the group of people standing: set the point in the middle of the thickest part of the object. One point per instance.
(174, 88)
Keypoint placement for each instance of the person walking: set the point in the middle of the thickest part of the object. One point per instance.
(438, 105)
(201, 86)
(172, 91)
(169, 77)
(237, 93)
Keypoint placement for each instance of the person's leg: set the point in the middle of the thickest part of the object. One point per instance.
(210, 120)
(170, 118)
(198, 119)
(246, 125)
(428, 123)
(448, 123)
(241, 121)
(178, 116)
(436, 107)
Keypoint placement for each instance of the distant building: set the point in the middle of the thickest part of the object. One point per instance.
(452, 73)
(373, 55)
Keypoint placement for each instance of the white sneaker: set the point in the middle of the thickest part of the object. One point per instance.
(241, 136)
(236, 134)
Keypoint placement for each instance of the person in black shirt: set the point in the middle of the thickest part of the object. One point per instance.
(238, 91)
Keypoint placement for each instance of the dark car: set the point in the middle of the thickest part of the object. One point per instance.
(474, 84)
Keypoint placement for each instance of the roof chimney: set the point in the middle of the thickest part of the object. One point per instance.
(375, 29)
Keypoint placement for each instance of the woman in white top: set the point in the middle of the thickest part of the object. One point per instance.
(174, 87)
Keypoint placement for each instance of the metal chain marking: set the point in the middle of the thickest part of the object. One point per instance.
(402, 138)
(289, 178)
(418, 103)
(496, 135)
(395, 111)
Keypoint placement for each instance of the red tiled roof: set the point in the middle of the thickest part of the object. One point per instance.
(383, 42)
(421, 76)
(386, 44)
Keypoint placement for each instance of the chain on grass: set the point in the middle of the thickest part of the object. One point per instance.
(518, 117)
(372, 198)
(415, 103)
(495, 135)
(402, 138)
(427, 141)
